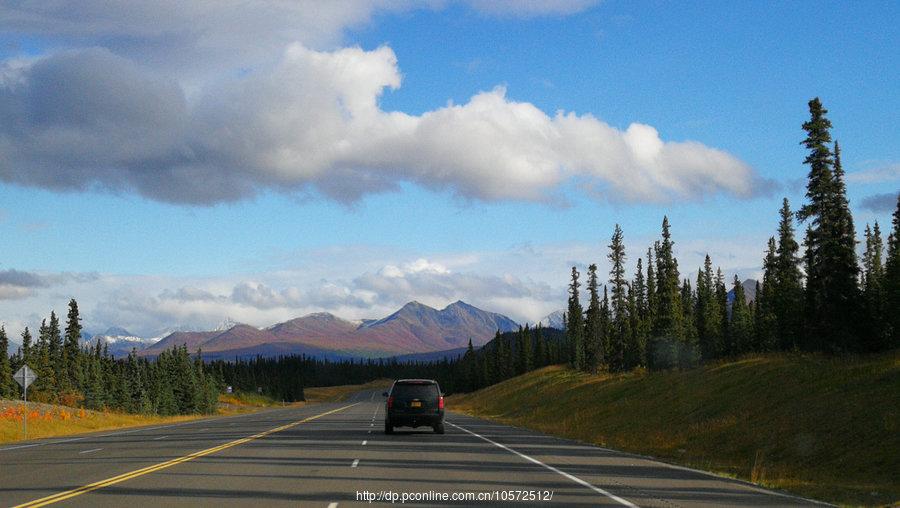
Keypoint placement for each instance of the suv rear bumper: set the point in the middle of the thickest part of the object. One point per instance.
(415, 419)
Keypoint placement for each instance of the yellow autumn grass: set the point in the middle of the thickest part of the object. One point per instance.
(54, 421)
(818, 426)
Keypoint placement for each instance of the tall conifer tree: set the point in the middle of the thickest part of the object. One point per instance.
(619, 326)
(72, 347)
(593, 331)
(575, 325)
(831, 289)
(892, 280)
(787, 294)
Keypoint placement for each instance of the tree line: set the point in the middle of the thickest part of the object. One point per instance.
(508, 354)
(821, 300)
(73, 374)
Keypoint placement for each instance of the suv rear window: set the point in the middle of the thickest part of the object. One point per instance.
(417, 391)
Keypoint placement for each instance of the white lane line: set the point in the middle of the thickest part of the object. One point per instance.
(369, 432)
(19, 447)
(160, 437)
(371, 425)
(90, 451)
(204, 430)
(355, 463)
(364, 443)
(332, 505)
(575, 479)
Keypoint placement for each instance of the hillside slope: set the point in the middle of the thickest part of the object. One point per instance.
(820, 427)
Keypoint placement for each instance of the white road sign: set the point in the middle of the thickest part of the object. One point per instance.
(24, 376)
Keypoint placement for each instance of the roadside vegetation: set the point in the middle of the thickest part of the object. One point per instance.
(815, 425)
(51, 420)
(340, 393)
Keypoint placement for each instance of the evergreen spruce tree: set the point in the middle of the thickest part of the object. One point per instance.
(575, 326)
(651, 294)
(787, 293)
(688, 350)
(741, 329)
(876, 334)
(468, 365)
(831, 289)
(619, 311)
(605, 321)
(766, 323)
(72, 350)
(642, 325)
(892, 281)
(722, 308)
(668, 332)
(709, 317)
(6, 372)
(540, 347)
(527, 349)
(594, 353)
(56, 357)
(42, 387)
(519, 352)
(27, 350)
(633, 355)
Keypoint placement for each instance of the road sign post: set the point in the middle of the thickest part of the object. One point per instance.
(25, 376)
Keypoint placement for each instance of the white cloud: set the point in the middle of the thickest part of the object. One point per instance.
(887, 173)
(79, 119)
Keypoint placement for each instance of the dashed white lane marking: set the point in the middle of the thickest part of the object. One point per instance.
(332, 505)
(575, 479)
(90, 451)
(160, 437)
(369, 432)
(364, 443)
(204, 430)
(355, 463)
(371, 425)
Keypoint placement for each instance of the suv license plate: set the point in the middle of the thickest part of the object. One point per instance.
(415, 403)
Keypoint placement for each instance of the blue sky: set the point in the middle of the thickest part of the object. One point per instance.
(733, 79)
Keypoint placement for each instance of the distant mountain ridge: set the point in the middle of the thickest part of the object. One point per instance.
(119, 341)
(414, 328)
(555, 319)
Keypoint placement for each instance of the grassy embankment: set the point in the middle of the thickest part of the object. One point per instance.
(825, 428)
(47, 420)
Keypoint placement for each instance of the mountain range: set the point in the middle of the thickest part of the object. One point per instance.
(414, 328)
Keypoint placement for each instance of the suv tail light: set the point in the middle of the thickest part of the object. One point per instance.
(441, 402)
(391, 402)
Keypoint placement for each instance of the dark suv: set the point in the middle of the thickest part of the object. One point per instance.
(414, 403)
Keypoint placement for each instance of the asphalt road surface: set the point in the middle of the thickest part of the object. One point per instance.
(337, 454)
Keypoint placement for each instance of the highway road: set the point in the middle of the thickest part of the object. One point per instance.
(337, 454)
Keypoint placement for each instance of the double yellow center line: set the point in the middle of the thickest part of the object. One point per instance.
(55, 498)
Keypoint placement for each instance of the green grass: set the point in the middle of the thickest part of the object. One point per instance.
(817, 426)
